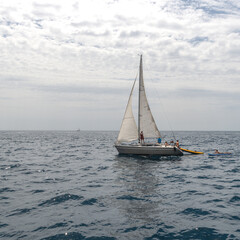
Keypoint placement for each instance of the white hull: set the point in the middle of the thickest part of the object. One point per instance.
(159, 150)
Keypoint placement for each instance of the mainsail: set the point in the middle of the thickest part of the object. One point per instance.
(128, 131)
(146, 121)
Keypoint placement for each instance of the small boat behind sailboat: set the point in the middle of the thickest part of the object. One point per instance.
(129, 140)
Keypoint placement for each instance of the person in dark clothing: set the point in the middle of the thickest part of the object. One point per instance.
(141, 137)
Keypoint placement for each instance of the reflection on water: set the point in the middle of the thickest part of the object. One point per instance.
(140, 197)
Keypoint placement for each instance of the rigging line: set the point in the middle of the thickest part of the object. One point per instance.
(162, 106)
(146, 70)
(165, 114)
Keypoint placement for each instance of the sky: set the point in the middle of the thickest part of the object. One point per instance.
(67, 65)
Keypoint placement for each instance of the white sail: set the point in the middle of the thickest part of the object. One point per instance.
(146, 121)
(128, 131)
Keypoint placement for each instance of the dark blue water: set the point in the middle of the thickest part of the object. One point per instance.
(73, 185)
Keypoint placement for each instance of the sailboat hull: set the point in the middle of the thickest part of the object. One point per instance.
(149, 150)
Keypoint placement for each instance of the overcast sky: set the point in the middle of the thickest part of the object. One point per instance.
(67, 65)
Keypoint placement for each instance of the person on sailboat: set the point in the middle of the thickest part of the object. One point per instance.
(141, 137)
(177, 143)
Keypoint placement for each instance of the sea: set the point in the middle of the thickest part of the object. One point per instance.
(74, 185)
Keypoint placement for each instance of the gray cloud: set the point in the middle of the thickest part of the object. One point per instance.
(42, 13)
(71, 89)
(213, 8)
(29, 84)
(192, 93)
(169, 25)
(10, 23)
(66, 50)
(95, 34)
(131, 34)
(45, 10)
(38, 23)
(86, 24)
(46, 6)
(198, 40)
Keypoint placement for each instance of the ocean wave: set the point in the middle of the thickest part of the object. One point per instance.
(60, 199)
(196, 212)
(90, 201)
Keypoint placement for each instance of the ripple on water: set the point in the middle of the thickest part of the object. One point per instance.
(11, 166)
(90, 201)
(20, 211)
(196, 212)
(128, 197)
(201, 233)
(6, 189)
(37, 191)
(58, 225)
(60, 199)
(75, 236)
(3, 225)
(236, 200)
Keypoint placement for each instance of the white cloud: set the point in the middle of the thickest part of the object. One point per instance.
(77, 51)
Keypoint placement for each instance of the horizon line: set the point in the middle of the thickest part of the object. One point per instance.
(107, 130)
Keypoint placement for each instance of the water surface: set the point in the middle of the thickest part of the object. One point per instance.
(74, 185)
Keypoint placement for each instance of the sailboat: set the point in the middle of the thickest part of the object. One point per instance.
(129, 139)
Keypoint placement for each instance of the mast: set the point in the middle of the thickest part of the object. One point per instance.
(139, 89)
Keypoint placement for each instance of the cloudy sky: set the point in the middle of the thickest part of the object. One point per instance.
(67, 65)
